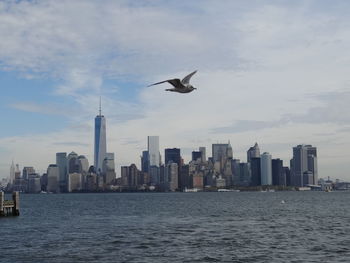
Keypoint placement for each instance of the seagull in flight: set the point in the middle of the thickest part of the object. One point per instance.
(181, 86)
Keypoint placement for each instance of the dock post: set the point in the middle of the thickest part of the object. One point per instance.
(15, 198)
(2, 195)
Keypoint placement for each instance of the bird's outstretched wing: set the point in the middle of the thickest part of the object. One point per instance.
(175, 82)
(186, 79)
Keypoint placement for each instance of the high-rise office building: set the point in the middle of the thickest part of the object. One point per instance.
(61, 162)
(17, 172)
(153, 151)
(130, 177)
(304, 161)
(229, 151)
(219, 151)
(27, 170)
(236, 171)
(278, 173)
(312, 167)
(173, 155)
(255, 167)
(203, 151)
(253, 152)
(75, 182)
(109, 168)
(53, 178)
(34, 185)
(100, 141)
(133, 176)
(266, 169)
(171, 173)
(245, 174)
(144, 162)
(154, 159)
(12, 173)
(286, 171)
(198, 180)
(124, 173)
(154, 174)
(184, 177)
(108, 162)
(72, 163)
(82, 164)
(308, 178)
(197, 155)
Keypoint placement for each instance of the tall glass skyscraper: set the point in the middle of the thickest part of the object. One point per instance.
(100, 141)
(304, 161)
(153, 151)
(153, 159)
(61, 162)
(253, 152)
(266, 169)
(219, 151)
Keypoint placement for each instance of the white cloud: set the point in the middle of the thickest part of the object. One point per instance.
(49, 109)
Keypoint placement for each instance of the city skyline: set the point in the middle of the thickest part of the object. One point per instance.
(72, 172)
(272, 73)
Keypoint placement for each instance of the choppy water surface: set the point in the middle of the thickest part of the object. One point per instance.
(179, 227)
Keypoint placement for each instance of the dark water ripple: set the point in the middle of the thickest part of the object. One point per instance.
(179, 227)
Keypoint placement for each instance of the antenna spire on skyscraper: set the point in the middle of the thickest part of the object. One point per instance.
(100, 110)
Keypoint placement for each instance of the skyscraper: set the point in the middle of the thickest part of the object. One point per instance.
(219, 151)
(312, 166)
(286, 171)
(278, 173)
(72, 163)
(17, 172)
(173, 155)
(12, 173)
(61, 162)
(236, 171)
(75, 182)
(144, 162)
(253, 152)
(27, 170)
(82, 164)
(171, 176)
(304, 161)
(245, 174)
(153, 151)
(196, 155)
(52, 178)
(109, 168)
(255, 167)
(100, 141)
(229, 151)
(153, 159)
(266, 169)
(203, 151)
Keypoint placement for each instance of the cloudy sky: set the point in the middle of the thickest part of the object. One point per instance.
(272, 72)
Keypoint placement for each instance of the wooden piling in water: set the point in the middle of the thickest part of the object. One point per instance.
(8, 207)
(15, 198)
(2, 195)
